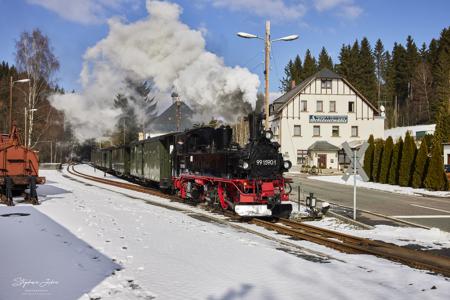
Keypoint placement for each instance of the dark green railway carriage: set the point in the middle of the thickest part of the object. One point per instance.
(150, 160)
(120, 160)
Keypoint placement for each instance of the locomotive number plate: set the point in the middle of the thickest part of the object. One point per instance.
(266, 162)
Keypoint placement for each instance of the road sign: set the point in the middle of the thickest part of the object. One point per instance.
(355, 168)
(355, 161)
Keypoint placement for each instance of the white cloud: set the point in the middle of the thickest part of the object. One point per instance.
(86, 11)
(277, 9)
(344, 8)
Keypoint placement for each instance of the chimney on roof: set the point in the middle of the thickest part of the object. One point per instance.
(175, 97)
(293, 84)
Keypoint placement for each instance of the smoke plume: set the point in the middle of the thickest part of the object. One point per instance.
(162, 49)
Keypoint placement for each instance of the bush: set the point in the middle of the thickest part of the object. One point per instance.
(407, 161)
(436, 178)
(396, 157)
(377, 155)
(420, 168)
(368, 157)
(386, 160)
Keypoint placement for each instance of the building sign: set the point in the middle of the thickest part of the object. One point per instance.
(327, 119)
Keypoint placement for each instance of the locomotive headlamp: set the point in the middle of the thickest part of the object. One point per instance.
(268, 134)
(245, 165)
(287, 164)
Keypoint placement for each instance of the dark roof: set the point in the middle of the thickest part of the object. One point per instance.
(324, 73)
(166, 121)
(323, 146)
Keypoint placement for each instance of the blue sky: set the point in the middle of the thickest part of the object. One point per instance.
(73, 26)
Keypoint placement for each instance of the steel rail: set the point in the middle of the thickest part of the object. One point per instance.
(329, 238)
(357, 245)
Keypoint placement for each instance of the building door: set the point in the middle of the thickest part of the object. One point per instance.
(322, 161)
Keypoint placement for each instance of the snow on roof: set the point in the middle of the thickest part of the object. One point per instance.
(398, 132)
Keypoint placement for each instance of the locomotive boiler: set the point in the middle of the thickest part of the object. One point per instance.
(248, 180)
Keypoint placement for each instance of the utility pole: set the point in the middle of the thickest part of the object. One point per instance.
(266, 74)
(268, 44)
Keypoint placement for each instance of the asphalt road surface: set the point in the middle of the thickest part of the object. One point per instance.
(428, 211)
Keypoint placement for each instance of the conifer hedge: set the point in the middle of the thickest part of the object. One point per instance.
(407, 161)
(396, 157)
(386, 160)
(420, 168)
(368, 157)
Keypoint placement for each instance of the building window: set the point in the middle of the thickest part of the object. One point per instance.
(351, 106)
(354, 131)
(319, 106)
(304, 106)
(297, 130)
(302, 157)
(335, 131)
(332, 106)
(316, 130)
(326, 84)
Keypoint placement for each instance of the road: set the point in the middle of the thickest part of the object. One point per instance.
(428, 211)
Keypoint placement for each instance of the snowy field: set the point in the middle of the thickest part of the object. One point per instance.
(381, 187)
(87, 241)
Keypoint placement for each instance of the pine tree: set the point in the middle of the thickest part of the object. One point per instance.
(386, 160)
(420, 167)
(325, 60)
(344, 67)
(380, 66)
(377, 155)
(309, 66)
(367, 82)
(293, 73)
(407, 161)
(398, 79)
(396, 158)
(368, 158)
(436, 178)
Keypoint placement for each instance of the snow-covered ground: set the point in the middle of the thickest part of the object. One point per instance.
(398, 132)
(380, 186)
(90, 242)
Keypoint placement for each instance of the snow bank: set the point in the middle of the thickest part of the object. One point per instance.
(380, 186)
(173, 254)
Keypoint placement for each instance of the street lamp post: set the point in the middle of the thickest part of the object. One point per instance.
(268, 44)
(11, 84)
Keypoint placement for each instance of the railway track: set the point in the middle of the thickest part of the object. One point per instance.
(336, 240)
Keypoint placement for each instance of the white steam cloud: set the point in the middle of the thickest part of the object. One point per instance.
(162, 49)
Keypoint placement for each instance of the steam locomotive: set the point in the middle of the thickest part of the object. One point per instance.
(204, 165)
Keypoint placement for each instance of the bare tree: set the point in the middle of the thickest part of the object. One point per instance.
(35, 57)
(421, 85)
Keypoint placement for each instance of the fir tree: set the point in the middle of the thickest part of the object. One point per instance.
(407, 161)
(325, 60)
(377, 155)
(309, 66)
(386, 160)
(421, 165)
(293, 73)
(396, 158)
(344, 67)
(368, 158)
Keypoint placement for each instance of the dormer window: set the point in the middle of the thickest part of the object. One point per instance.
(326, 83)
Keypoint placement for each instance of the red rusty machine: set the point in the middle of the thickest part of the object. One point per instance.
(19, 169)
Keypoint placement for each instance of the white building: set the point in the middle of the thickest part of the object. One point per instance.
(312, 120)
(446, 148)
